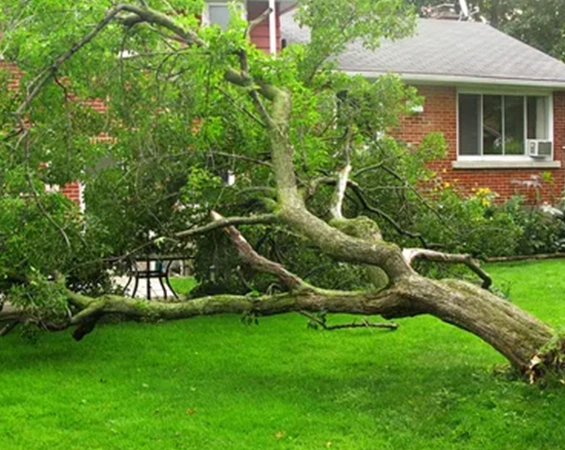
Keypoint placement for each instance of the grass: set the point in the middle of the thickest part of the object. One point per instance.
(183, 285)
(213, 383)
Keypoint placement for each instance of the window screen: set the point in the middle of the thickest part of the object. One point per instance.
(538, 119)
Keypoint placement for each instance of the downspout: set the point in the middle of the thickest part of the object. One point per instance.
(273, 27)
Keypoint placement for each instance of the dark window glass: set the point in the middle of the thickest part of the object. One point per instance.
(513, 125)
(492, 125)
(469, 124)
(538, 118)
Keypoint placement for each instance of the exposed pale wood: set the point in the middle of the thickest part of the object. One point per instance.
(257, 261)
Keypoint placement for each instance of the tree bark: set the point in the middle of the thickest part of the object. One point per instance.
(513, 332)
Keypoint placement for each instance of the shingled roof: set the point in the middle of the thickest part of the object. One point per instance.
(448, 51)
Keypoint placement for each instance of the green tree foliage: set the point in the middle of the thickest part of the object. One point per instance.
(177, 130)
(540, 24)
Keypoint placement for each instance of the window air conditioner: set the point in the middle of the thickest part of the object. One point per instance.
(538, 148)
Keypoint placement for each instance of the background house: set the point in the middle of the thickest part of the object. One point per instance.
(499, 103)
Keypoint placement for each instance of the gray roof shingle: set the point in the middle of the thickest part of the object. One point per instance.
(449, 51)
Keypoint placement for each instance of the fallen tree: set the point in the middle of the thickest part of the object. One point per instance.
(399, 290)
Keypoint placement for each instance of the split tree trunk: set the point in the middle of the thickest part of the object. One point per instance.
(513, 332)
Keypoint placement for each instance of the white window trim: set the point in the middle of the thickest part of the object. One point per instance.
(506, 161)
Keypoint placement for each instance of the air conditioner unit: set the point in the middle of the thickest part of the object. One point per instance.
(538, 148)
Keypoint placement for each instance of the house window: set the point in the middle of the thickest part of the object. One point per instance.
(219, 14)
(500, 125)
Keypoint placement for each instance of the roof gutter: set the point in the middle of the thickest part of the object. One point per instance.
(464, 80)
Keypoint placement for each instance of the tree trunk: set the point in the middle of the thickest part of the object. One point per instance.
(512, 331)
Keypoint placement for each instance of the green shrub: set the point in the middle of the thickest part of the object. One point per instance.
(473, 224)
(540, 232)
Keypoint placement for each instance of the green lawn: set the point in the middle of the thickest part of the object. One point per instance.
(213, 383)
(183, 285)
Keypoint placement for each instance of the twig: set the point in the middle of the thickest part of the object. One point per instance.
(363, 324)
(420, 197)
(361, 197)
(368, 169)
(33, 189)
(243, 158)
(241, 108)
(48, 73)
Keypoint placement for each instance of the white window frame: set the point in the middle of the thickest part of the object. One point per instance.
(206, 10)
(507, 158)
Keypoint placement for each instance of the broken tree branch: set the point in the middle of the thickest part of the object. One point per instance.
(341, 186)
(363, 324)
(412, 254)
(365, 203)
(257, 261)
(253, 23)
(8, 328)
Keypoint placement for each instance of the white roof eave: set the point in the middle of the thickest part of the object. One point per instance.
(465, 80)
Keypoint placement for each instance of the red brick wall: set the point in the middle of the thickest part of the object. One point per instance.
(71, 190)
(14, 75)
(440, 114)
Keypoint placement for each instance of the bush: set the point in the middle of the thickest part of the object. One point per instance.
(541, 231)
(478, 225)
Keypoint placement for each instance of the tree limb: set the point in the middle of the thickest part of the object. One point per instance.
(257, 261)
(412, 254)
(48, 73)
(341, 186)
(253, 23)
(261, 219)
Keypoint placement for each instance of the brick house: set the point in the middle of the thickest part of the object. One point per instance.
(499, 103)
